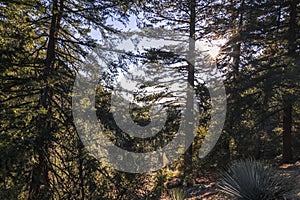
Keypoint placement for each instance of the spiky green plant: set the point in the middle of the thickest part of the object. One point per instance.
(254, 180)
(177, 194)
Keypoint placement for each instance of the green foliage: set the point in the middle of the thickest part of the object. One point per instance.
(38, 142)
(161, 178)
(254, 180)
(260, 63)
(177, 194)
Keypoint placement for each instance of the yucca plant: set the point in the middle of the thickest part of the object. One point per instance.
(254, 180)
(177, 194)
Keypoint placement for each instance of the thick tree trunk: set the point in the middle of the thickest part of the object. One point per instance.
(287, 155)
(40, 181)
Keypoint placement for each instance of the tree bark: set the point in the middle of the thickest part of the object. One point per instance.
(287, 134)
(287, 155)
(40, 181)
(81, 170)
(188, 156)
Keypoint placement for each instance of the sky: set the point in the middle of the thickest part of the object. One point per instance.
(211, 48)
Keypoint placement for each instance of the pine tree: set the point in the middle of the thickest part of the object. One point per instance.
(43, 44)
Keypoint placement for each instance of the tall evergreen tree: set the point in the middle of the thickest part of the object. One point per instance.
(43, 45)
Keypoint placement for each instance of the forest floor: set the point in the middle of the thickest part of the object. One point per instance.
(293, 170)
(205, 188)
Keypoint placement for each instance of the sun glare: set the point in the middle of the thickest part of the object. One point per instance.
(214, 51)
(215, 47)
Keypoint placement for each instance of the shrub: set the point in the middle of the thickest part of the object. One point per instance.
(250, 179)
(177, 194)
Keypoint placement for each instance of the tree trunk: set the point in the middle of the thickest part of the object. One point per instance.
(40, 180)
(287, 155)
(287, 134)
(188, 156)
(81, 170)
(234, 95)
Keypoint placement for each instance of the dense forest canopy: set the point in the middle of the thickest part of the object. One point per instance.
(46, 45)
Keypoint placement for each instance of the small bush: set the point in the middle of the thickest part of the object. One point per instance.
(254, 180)
(177, 194)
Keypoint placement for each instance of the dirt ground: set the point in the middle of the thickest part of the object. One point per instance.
(292, 170)
(205, 188)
